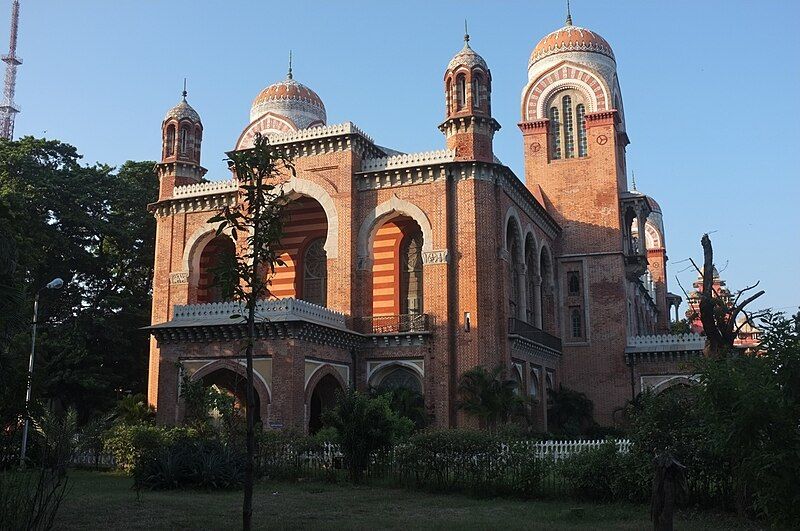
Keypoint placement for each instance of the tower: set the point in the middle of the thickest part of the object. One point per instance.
(181, 137)
(9, 109)
(469, 126)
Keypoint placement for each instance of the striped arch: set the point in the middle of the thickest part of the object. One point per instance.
(371, 223)
(562, 76)
(295, 187)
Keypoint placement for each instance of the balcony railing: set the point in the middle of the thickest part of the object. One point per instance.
(537, 335)
(393, 324)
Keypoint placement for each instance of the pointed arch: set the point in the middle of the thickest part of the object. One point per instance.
(373, 219)
(296, 187)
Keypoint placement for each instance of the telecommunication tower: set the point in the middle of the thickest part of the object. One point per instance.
(9, 109)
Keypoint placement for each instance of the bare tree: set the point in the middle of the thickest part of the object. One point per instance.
(256, 218)
(720, 315)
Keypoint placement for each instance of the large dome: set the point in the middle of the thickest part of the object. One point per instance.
(290, 99)
(571, 38)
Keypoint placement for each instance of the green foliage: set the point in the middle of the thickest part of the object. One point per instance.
(490, 396)
(570, 414)
(29, 499)
(409, 404)
(201, 400)
(130, 443)
(472, 461)
(605, 474)
(365, 426)
(680, 327)
(88, 225)
(134, 409)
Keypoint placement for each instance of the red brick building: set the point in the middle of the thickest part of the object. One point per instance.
(407, 269)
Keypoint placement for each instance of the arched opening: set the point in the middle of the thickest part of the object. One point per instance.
(461, 91)
(217, 254)
(515, 265)
(567, 113)
(477, 91)
(533, 282)
(234, 385)
(449, 96)
(184, 140)
(322, 399)
(533, 390)
(397, 377)
(548, 289)
(198, 138)
(169, 142)
(304, 270)
(397, 288)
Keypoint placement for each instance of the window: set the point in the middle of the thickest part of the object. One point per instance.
(401, 378)
(170, 148)
(569, 138)
(576, 318)
(582, 143)
(477, 82)
(198, 137)
(555, 134)
(567, 116)
(315, 273)
(461, 92)
(574, 283)
(184, 141)
(449, 92)
(411, 275)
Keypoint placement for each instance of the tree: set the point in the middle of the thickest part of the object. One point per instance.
(490, 396)
(257, 219)
(571, 411)
(719, 316)
(88, 225)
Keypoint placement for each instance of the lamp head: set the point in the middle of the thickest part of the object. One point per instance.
(56, 283)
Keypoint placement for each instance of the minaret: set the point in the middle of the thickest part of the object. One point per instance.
(181, 137)
(9, 109)
(469, 126)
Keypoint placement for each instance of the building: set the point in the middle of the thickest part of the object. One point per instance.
(407, 269)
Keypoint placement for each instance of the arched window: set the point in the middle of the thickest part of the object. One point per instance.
(477, 89)
(216, 258)
(534, 389)
(582, 143)
(449, 96)
(170, 141)
(573, 283)
(315, 273)
(198, 138)
(411, 274)
(184, 141)
(577, 323)
(400, 378)
(569, 137)
(555, 134)
(461, 91)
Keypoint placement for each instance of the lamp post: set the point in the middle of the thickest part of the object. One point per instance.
(56, 283)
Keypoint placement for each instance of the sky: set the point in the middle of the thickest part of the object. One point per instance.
(708, 89)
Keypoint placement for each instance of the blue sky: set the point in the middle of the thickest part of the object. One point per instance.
(709, 90)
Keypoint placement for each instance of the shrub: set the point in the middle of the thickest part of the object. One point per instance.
(128, 444)
(605, 474)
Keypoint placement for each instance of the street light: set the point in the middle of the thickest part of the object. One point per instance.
(56, 283)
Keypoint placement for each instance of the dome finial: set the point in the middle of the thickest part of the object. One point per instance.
(466, 33)
(289, 75)
(569, 15)
(184, 93)
(633, 177)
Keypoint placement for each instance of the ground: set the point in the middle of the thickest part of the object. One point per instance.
(107, 501)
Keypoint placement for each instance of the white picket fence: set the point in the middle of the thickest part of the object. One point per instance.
(553, 450)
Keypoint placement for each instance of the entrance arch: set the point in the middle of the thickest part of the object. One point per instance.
(322, 398)
(230, 376)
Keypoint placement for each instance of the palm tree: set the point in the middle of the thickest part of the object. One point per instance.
(490, 396)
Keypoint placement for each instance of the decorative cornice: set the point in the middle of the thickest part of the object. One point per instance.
(457, 124)
(534, 126)
(206, 188)
(602, 118)
(533, 350)
(200, 203)
(441, 256)
(408, 160)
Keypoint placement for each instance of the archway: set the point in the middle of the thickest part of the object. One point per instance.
(322, 398)
(235, 385)
(230, 377)
(218, 252)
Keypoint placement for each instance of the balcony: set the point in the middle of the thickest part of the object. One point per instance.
(381, 325)
(518, 327)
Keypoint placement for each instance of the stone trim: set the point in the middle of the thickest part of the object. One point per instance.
(179, 277)
(206, 188)
(441, 256)
(409, 160)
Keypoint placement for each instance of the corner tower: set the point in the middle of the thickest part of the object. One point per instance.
(469, 126)
(181, 138)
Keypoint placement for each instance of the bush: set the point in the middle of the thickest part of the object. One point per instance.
(605, 474)
(130, 443)
(201, 463)
(470, 461)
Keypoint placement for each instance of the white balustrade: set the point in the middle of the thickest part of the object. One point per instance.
(269, 310)
(666, 343)
(206, 188)
(409, 159)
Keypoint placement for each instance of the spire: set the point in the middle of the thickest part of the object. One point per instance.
(289, 75)
(184, 93)
(569, 15)
(466, 35)
(633, 177)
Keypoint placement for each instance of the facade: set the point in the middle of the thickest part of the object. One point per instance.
(408, 269)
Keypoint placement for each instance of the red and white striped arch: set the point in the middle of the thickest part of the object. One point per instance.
(565, 75)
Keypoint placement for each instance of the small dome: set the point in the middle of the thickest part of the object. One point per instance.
(571, 38)
(290, 99)
(466, 57)
(182, 111)
(654, 206)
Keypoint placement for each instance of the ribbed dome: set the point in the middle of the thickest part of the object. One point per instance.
(571, 39)
(290, 99)
(466, 57)
(182, 111)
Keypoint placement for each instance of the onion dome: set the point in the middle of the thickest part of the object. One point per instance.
(571, 38)
(182, 111)
(290, 99)
(466, 57)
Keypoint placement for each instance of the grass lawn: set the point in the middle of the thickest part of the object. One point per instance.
(98, 500)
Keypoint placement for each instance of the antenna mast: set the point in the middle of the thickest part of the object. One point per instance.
(9, 109)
